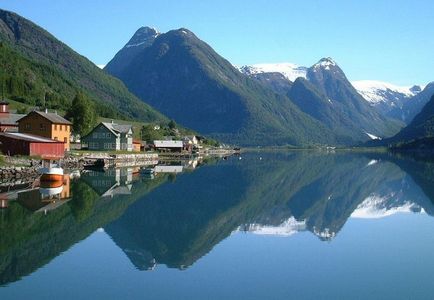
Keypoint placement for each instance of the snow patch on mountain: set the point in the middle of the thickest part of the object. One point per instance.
(286, 228)
(143, 36)
(325, 234)
(378, 91)
(373, 137)
(372, 162)
(376, 206)
(289, 70)
(325, 63)
(135, 45)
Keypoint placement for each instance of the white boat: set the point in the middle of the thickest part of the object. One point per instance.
(48, 192)
(51, 172)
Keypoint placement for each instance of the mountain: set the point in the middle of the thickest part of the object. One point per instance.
(422, 125)
(324, 92)
(35, 65)
(331, 113)
(143, 38)
(387, 98)
(277, 77)
(331, 81)
(274, 81)
(184, 78)
(290, 71)
(415, 105)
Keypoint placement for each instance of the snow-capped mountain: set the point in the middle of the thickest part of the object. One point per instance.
(378, 91)
(315, 89)
(387, 98)
(289, 70)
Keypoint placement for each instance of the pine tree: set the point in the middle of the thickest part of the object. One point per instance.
(82, 113)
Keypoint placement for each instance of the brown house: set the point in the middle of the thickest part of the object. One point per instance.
(45, 124)
(8, 120)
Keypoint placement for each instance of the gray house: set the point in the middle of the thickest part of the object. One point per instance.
(110, 136)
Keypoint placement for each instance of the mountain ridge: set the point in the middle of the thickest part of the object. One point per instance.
(187, 80)
(40, 66)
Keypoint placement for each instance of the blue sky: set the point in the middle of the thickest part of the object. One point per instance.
(389, 40)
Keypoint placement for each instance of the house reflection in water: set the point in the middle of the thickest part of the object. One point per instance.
(168, 169)
(111, 182)
(47, 197)
(3, 201)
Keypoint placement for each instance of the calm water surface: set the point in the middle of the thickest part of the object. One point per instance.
(267, 226)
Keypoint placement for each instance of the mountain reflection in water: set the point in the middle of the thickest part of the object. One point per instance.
(176, 218)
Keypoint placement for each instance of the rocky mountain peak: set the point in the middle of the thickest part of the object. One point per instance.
(143, 36)
(326, 63)
(416, 89)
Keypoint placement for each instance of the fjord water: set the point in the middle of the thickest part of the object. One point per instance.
(302, 225)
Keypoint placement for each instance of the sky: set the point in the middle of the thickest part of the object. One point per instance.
(387, 40)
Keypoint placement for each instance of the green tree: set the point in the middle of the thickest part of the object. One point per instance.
(148, 133)
(172, 124)
(83, 201)
(82, 113)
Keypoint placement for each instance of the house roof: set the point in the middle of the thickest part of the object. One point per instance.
(117, 128)
(10, 119)
(52, 117)
(28, 137)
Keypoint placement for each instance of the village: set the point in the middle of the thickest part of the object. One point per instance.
(48, 135)
(41, 154)
(42, 143)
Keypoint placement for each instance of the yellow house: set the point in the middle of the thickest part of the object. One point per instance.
(46, 124)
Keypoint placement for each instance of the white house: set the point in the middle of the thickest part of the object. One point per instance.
(166, 145)
(110, 136)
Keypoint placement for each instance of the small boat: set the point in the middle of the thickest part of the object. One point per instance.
(51, 172)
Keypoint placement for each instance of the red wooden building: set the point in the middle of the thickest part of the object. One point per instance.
(14, 143)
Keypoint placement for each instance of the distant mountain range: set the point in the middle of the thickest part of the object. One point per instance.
(324, 92)
(387, 98)
(390, 100)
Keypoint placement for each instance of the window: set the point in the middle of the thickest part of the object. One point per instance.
(60, 126)
(55, 126)
(65, 140)
(42, 127)
(28, 126)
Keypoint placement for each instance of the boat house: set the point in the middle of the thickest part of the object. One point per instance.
(110, 137)
(14, 143)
